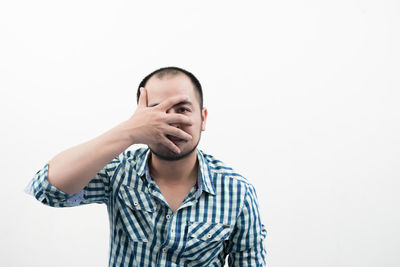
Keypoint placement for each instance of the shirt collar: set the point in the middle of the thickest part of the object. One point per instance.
(205, 172)
(204, 179)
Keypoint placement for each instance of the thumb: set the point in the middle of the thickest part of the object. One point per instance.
(142, 98)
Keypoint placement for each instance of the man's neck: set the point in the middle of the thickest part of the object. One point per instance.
(181, 171)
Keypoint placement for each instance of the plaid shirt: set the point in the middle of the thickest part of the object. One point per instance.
(218, 217)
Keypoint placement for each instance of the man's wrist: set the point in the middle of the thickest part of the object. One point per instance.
(126, 133)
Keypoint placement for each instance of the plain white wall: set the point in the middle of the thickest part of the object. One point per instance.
(303, 99)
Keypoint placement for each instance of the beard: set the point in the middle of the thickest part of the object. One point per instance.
(169, 155)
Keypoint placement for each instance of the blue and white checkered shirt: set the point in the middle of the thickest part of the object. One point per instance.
(218, 217)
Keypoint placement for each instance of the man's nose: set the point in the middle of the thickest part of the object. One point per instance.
(172, 111)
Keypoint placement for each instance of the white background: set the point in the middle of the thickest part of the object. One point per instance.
(303, 100)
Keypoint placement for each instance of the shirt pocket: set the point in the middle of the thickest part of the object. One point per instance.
(205, 239)
(136, 213)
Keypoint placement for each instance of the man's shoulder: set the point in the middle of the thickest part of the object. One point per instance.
(132, 154)
(223, 170)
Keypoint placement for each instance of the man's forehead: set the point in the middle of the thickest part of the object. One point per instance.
(159, 89)
(188, 103)
(170, 81)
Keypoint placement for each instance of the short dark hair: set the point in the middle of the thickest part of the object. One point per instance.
(160, 73)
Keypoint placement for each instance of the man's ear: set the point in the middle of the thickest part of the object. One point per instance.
(204, 113)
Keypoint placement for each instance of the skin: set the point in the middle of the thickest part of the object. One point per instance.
(176, 172)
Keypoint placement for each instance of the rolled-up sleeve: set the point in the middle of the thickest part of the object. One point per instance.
(96, 191)
(246, 246)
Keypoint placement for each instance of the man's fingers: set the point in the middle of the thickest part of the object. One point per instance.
(176, 132)
(170, 102)
(168, 143)
(143, 97)
(178, 118)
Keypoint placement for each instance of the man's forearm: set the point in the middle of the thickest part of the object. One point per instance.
(71, 170)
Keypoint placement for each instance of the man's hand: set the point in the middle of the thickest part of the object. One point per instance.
(150, 125)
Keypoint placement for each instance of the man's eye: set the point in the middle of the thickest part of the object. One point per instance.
(182, 110)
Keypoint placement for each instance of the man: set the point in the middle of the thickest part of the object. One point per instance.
(169, 204)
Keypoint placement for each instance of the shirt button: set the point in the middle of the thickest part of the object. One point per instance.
(209, 235)
(168, 216)
(135, 203)
(164, 250)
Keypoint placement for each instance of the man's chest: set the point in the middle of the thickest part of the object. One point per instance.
(174, 196)
(196, 231)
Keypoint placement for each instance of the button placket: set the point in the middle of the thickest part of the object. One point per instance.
(171, 225)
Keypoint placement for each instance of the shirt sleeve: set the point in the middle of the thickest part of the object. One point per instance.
(96, 191)
(246, 246)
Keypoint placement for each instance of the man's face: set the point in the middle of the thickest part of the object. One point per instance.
(159, 90)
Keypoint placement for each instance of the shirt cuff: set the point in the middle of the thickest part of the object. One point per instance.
(40, 183)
